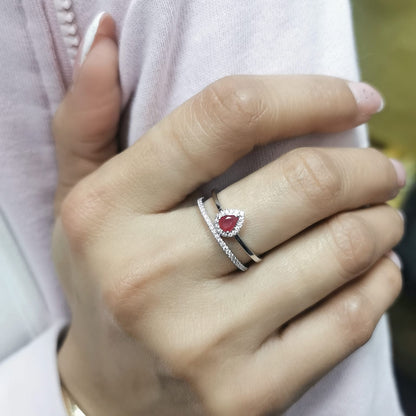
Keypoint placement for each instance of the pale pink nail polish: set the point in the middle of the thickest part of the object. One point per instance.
(368, 99)
(87, 42)
(400, 172)
(395, 259)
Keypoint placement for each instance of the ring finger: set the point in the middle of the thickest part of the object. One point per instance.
(317, 341)
(294, 192)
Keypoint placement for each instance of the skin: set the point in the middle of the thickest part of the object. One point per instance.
(162, 323)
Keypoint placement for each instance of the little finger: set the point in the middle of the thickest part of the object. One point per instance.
(321, 338)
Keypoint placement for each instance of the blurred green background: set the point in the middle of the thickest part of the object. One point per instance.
(386, 44)
(386, 41)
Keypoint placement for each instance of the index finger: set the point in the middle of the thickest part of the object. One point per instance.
(207, 134)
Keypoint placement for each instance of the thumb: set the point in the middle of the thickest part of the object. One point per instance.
(85, 124)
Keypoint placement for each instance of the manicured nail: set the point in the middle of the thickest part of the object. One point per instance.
(395, 259)
(87, 42)
(402, 215)
(369, 100)
(400, 172)
(90, 36)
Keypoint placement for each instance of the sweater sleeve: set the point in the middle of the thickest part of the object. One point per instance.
(29, 380)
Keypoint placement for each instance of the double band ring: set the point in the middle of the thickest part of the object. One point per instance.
(228, 223)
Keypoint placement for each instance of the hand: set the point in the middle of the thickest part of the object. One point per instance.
(156, 303)
(86, 122)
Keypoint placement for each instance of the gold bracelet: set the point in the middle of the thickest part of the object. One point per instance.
(71, 407)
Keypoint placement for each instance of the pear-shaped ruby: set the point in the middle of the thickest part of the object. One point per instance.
(228, 222)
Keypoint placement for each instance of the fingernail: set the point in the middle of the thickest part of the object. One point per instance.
(395, 259)
(368, 99)
(400, 172)
(402, 215)
(87, 42)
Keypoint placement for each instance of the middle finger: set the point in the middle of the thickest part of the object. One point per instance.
(311, 266)
(296, 191)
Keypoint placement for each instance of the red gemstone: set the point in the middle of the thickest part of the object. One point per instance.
(228, 222)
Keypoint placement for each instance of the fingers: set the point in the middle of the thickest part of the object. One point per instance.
(288, 196)
(212, 130)
(304, 187)
(85, 124)
(318, 340)
(310, 267)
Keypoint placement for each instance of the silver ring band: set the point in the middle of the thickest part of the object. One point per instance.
(249, 252)
(217, 237)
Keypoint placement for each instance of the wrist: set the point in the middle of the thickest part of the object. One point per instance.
(96, 381)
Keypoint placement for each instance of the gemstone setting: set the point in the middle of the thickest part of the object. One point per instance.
(228, 222)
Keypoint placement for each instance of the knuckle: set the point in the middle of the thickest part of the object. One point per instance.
(81, 213)
(353, 243)
(235, 102)
(357, 319)
(312, 174)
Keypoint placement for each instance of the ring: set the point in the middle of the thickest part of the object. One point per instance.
(217, 237)
(228, 223)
